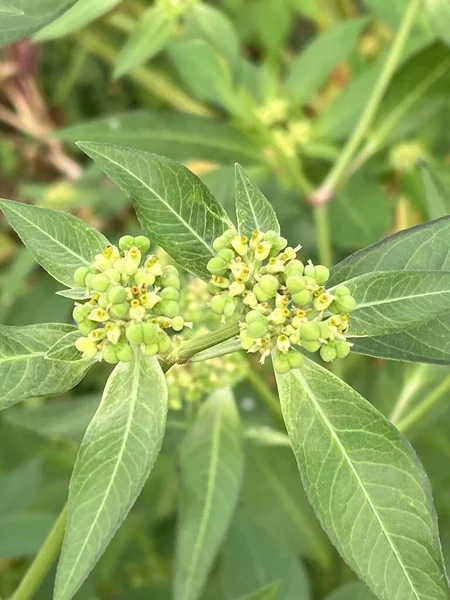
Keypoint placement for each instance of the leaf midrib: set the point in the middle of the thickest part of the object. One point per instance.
(402, 298)
(255, 219)
(359, 481)
(133, 395)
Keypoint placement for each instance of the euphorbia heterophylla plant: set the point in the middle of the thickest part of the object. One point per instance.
(362, 477)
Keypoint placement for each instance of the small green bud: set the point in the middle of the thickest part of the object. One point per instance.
(177, 323)
(325, 330)
(310, 271)
(342, 290)
(150, 349)
(224, 240)
(254, 315)
(226, 254)
(119, 311)
(342, 349)
(170, 293)
(112, 274)
(246, 340)
(149, 333)
(295, 359)
(130, 266)
(109, 354)
(80, 276)
(310, 331)
(164, 342)
(257, 329)
(100, 282)
(86, 346)
(322, 274)
(260, 294)
(81, 313)
(345, 304)
(310, 346)
(126, 242)
(328, 353)
(86, 327)
(169, 308)
(223, 305)
(142, 243)
(295, 284)
(294, 267)
(134, 334)
(281, 363)
(123, 352)
(302, 298)
(269, 284)
(170, 277)
(117, 294)
(217, 266)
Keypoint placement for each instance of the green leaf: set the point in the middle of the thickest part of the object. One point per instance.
(19, 487)
(253, 559)
(58, 242)
(78, 16)
(177, 136)
(173, 206)
(366, 485)
(425, 247)
(150, 36)
(268, 592)
(390, 301)
(115, 459)
(7, 9)
(211, 463)
(216, 28)
(75, 293)
(22, 534)
(24, 370)
(439, 13)
(253, 210)
(312, 67)
(436, 193)
(64, 349)
(351, 591)
(361, 214)
(31, 17)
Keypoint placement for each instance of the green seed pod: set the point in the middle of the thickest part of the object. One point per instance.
(130, 266)
(345, 304)
(212, 289)
(117, 294)
(323, 301)
(88, 279)
(310, 271)
(81, 313)
(302, 298)
(113, 275)
(342, 290)
(269, 284)
(295, 284)
(310, 346)
(100, 282)
(295, 359)
(260, 294)
(279, 244)
(322, 274)
(142, 243)
(177, 323)
(226, 254)
(149, 333)
(150, 349)
(144, 277)
(109, 354)
(328, 353)
(342, 349)
(310, 331)
(281, 363)
(126, 242)
(254, 315)
(79, 276)
(310, 282)
(164, 343)
(170, 277)
(257, 329)
(119, 311)
(170, 293)
(135, 334)
(294, 267)
(123, 352)
(246, 341)
(86, 327)
(169, 308)
(86, 346)
(217, 266)
(325, 330)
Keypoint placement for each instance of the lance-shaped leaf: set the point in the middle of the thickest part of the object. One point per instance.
(425, 247)
(253, 210)
(391, 301)
(24, 370)
(64, 349)
(29, 17)
(352, 591)
(439, 12)
(268, 592)
(211, 471)
(59, 242)
(7, 9)
(173, 206)
(366, 485)
(436, 193)
(175, 135)
(252, 559)
(116, 456)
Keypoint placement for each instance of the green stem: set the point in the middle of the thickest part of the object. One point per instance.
(323, 235)
(266, 394)
(339, 170)
(421, 409)
(43, 561)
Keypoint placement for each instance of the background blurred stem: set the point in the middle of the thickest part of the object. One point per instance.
(155, 82)
(338, 172)
(419, 411)
(266, 394)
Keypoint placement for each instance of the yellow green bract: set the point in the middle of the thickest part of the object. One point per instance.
(283, 302)
(133, 302)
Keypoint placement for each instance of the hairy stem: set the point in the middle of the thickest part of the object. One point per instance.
(339, 170)
(43, 560)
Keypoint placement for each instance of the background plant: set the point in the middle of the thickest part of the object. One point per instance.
(344, 131)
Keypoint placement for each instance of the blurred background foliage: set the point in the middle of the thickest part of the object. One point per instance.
(278, 86)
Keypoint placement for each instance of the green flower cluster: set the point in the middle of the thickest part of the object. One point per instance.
(282, 301)
(133, 301)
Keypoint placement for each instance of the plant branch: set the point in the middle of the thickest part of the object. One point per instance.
(43, 560)
(421, 409)
(338, 172)
(266, 394)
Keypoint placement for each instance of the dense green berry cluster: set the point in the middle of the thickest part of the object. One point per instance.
(282, 301)
(133, 301)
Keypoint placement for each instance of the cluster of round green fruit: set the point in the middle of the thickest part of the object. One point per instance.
(282, 301)
(132, 301)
